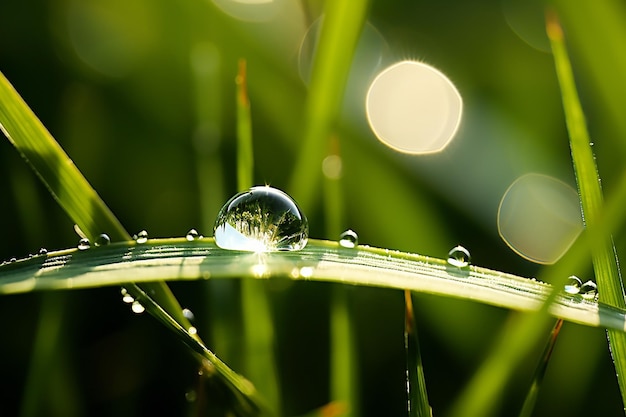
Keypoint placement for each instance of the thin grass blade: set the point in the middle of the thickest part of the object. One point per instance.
(540, 371)
(341, 28)
(415, 382)
(258, 323)
(605, 263)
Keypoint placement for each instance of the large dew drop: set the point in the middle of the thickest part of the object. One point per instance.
(262, 219)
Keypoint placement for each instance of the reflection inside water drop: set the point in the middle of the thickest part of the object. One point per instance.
(459, 257)
(262, 219)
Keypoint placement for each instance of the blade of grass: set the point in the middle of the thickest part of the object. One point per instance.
(344, 380)
(65, 182)
(258, 324)
(604, 257)
(540, 371)
(341, 27)
(325, 261)
(415, 382)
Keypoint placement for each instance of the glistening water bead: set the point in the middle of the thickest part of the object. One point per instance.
(349, 239)
(261, 219)
(573, 284)
(459, 257)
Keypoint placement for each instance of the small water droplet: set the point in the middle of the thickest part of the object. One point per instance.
(192, 330)
(142, 237)
(188, 314)
(459, 257)
(103, 240)
(137, 307)
(349, 239)
(589, 290)
(84, 244)
(190, 396)
(192, 235)
(12, 260)
(573, 284)
(262, 219)
(43, 251)
(126, 297)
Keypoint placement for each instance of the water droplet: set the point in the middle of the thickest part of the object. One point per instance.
(142, 237)
(43, 251)
(192, 330)
(188, 314)
(12, 260)
(459, 257)
(262, 219)
(349, 239)
(103, 240)
(84, 244)
(192, 235)
(573, 285)
(191, 396)
(137, 307)
(126, 297)
(589, 290)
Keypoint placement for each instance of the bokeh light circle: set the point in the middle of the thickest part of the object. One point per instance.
(539, 218)
(413, 108)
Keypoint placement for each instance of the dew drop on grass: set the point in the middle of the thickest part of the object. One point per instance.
(84, 244)
(126, 297)
(43, 251)
(349, 239)
(137, 307)
(573, 284)
(589, 290)
(192, 235)
(261, 219)
(459, 257)
(103, 240)
(142, 237)
(188, 314)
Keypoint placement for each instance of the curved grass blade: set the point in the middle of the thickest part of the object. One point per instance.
(605, 263)
(65, 182)
(343, 21)
(325, 261)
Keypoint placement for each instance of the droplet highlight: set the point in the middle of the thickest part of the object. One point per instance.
(103, 240)
(573, 284)
(142, 237)
(83, 244)
(589, 290)
(126, 297)
(349, 239)
(192, 235)
(43, 251)
(137, 308)
(261, 219)
(459, 257)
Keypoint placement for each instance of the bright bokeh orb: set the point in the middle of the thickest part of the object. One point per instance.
(539, 218)
(413, 108)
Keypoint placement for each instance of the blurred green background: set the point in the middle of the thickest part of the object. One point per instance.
(142, 97)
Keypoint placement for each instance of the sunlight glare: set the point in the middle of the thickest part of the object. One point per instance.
(413, 108)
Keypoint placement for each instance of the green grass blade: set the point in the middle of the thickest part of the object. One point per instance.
(65, 182)
(325, 261)
(344, 380)
(416, 383)
(605, 264)
(258, 323)
(341, 27)
(540, 371)
(245, 154)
